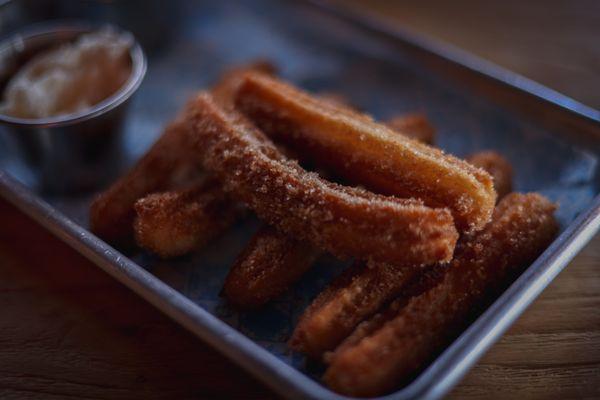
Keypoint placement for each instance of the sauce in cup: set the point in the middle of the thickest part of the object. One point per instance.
(71, 78)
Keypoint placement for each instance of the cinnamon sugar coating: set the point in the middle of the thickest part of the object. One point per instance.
(269, 264)
(396, 343)
(355, 295)
(272, 262)
(413, 125)
(299, 203)
(367, 153)
(168, 163)
(361, 291)
(177, 222)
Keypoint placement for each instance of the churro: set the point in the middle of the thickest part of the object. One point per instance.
(267, 258)
(169, 162)
(415, 126)
(174, 223)
(270, 263)
(355, 295)
(498, 167)
(351, 298)
(112, 214)
(333, 217)
(398, 342)
(364, 152)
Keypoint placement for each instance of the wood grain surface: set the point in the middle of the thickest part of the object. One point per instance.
(554, 42)
(70, 331)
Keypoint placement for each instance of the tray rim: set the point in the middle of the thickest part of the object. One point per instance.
(439, 377)
(433, 383)
(371, 22)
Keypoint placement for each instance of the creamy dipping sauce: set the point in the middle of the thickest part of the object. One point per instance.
(71, 78)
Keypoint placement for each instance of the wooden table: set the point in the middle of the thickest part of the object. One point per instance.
(68, 330)
(554, 42)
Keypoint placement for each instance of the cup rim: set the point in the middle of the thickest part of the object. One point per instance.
(138, 71)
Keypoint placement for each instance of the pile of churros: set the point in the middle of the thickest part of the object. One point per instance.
(431, 236)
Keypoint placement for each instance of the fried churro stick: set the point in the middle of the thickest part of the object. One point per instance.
(414, 126)
(355, 295)
(360, 292)
(112, 213)
(376, 357)
(498, 167)
(245, 286)
(421, 283)
(333, 217)
(364, 152)
(270, 263)
(174, 223)
(362, 289)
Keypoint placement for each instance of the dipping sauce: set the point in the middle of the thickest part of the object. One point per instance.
(71, 78)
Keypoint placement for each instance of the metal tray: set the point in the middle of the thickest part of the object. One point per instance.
(551, 140)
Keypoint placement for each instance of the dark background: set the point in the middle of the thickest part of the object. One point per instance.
(555, 42)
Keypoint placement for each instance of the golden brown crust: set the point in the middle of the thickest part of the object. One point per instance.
(412, 125)
(272, 261)
(167, 163)
(174, 223)
(415, 126)
(269, 264)
(333, 217)
(355, 295)
(354, 146)
(498, 167)
(376, 357)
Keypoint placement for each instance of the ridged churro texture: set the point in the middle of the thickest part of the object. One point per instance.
(272, 262)
(360, 291)
(269, 264)
(413, 125)
(177, 222)
(498, 167)
(355, 295)
(364, 152)
(335, 218)
(395, 344)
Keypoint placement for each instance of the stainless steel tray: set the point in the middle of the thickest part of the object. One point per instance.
(551, 140)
